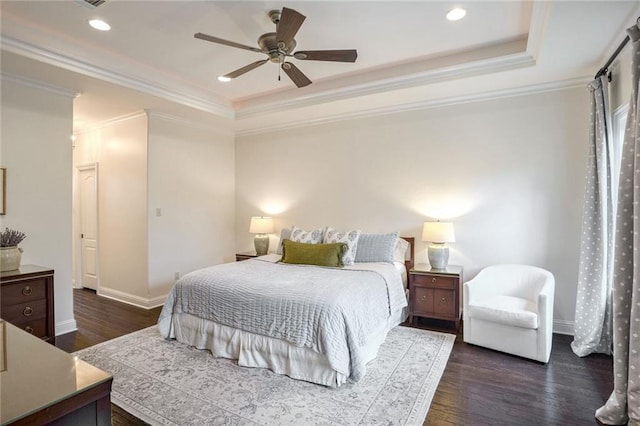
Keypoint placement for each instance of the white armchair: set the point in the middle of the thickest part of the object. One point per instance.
(509, 308)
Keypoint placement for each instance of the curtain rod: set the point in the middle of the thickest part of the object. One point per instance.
(602, 71)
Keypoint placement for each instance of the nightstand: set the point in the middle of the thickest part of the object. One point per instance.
(245, 255)
(435, 293)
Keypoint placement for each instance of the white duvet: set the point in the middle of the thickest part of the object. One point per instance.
(332, 311)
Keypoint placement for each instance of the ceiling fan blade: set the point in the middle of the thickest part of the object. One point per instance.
(327, 55)
(246, 68)
(213, 39)
(295, 74)
(290, 23)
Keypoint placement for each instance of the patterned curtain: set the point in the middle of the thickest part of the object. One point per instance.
(594, 299)
(624, 403)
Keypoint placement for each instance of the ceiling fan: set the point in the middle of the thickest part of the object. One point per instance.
(279, 46)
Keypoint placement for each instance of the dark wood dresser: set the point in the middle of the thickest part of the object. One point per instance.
(435, 293)
(26, 300)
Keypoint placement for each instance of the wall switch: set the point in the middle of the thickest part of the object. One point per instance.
(158, 211)
(176, 275)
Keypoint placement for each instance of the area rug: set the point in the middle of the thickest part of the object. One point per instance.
(164, 382)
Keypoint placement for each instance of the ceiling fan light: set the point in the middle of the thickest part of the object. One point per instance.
(99, 24)
(224, 78)
(456, 14)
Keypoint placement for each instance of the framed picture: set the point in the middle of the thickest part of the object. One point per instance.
(3, 189)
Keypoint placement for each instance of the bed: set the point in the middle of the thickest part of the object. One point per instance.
(312, 323)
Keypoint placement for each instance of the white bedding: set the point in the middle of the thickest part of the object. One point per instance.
(356, 324)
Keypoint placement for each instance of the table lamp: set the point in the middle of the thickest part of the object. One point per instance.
(261, 226)
(438, 234)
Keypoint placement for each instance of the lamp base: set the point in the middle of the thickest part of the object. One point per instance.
(438, 255)
(261, 242)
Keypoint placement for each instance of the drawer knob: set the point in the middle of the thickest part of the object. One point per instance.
(424, 298)
(27, 312)
(28, 329)
(27, 290)
(443, 300)
(433, 280)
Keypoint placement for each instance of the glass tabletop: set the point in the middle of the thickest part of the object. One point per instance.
(35, 374)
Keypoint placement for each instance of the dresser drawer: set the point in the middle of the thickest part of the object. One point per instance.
(444, 303)
(24, 291)
(435, 281)
(423, 302)
(25, 311)
(37, 327)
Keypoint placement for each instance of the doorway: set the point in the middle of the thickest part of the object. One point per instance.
(87, 203)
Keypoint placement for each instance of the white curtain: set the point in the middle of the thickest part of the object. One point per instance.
(593, 323)
(624, 403)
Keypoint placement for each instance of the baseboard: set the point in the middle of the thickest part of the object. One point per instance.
(64, 327)
(563, 327)
(140, 302)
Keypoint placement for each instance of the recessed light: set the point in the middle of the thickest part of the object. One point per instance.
(224, 79)
(99, 24)
(456, 14)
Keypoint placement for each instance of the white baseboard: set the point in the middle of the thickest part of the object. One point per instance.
(563, 327)
(67, 326)
(141, 302)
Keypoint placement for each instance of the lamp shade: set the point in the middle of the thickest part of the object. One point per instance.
(261, 225)
(438, 232)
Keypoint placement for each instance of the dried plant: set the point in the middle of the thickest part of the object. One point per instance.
(11, 237)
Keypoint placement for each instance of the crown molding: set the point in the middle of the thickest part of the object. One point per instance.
(421, 105)
(111, 121)
(37, 84)
(50, 57)
(170, 118)
(539, 19)
(492, 65)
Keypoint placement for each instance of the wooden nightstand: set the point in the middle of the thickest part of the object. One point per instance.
(435, 293)
(245, 255)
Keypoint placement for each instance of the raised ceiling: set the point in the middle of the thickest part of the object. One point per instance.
(407, 53)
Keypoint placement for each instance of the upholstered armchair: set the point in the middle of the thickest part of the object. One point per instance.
(509, 308)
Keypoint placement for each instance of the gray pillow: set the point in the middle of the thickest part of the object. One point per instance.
(376, 247)
(285, 234)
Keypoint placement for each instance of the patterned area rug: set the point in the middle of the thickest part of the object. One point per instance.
(168, 383)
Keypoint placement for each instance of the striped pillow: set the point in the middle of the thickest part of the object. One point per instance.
(376, 247)
(285, 234)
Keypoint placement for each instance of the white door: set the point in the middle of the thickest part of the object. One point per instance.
(89, 227)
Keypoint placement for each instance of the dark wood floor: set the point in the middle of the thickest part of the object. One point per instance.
(478, 387)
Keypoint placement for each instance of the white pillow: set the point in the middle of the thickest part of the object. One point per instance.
(308, 237)
(349, 237)
(400, 250)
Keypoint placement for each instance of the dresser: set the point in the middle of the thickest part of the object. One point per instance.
(43, 385)
(26, 300)
(435, 293)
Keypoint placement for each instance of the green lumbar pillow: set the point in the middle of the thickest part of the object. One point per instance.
(313, 254)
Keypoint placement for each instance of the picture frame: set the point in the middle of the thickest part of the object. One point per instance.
(3, 188)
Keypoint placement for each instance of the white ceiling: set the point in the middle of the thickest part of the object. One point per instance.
(408, 54)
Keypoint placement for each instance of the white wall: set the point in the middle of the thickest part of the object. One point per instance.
(508, 172)
(120, 149)
(620, 87)
(191, 181)
(154, 162)
(36, 150)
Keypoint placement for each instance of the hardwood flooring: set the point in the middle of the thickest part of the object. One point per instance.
(478, 387)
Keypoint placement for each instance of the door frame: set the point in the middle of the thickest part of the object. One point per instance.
(77, 225)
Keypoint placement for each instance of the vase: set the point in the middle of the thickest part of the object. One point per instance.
(10, 258)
